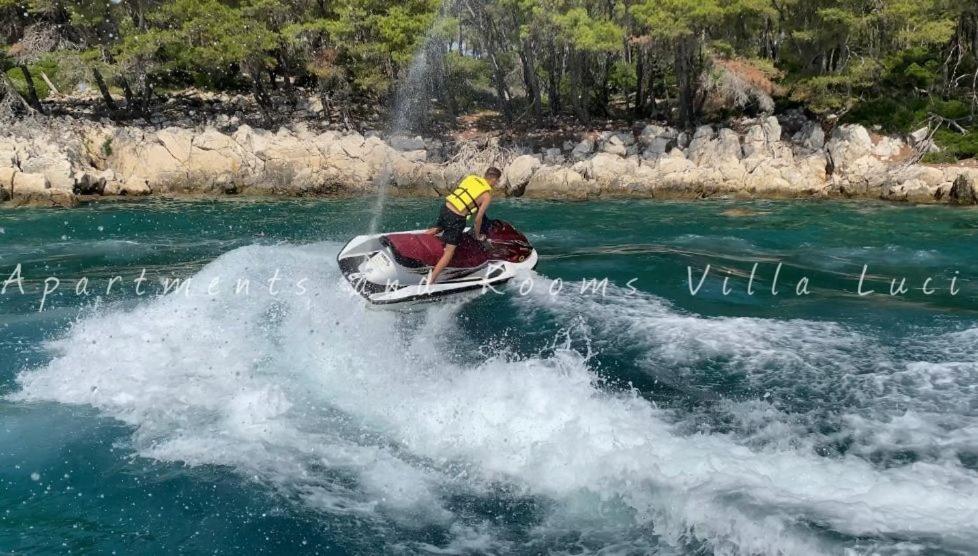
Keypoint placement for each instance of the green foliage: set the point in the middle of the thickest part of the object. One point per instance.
(959, 145)
(943, 157)
(587, 33)
(622, 76)
(889, 62)
(20, 84)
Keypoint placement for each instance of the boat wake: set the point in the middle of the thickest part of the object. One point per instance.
(381, 416)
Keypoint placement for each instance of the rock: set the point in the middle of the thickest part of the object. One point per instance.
(35, 190)
(606, 168)
(919, 136)
(653, 133)
(713, 149)
(764, 141)
(403, 143)
(810, 137)
(415, 156)
(963, 191)
(6, 182)
(700, 148)
(92, 182)
(56, 169)
(674, 162)
(583, 149)
(728, 145)
(8, 154)
(315, 105)
(849, 142)
(213, 155)
(553, 157)
(25, 184)
(888, 147)
(134, 186)
(518, 173)
(554, 182)
(627, 139)
(614, 145)
(911, 190)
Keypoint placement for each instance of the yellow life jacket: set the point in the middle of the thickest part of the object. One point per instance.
(465, 194)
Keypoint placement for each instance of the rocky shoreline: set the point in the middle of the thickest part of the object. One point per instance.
(60, 161)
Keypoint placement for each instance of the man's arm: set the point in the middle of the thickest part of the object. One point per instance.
(483, 203)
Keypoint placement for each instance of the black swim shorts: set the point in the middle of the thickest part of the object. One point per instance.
(452, 226)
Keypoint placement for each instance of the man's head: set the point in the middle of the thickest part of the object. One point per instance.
(492, 175)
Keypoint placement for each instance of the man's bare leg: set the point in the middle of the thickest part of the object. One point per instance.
(433, 231)
(446, 258)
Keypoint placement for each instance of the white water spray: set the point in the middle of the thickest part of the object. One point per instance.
(300, 391)
(410, 105)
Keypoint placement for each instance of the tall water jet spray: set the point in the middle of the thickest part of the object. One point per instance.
(411, 101)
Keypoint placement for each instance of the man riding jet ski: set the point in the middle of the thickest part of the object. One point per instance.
(442, 260)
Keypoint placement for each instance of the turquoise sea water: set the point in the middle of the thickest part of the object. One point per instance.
(634, 419)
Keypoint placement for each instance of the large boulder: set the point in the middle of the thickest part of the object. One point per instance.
(134, 186)
(709, 148)
(518, 173)
(606, 168)
(92, 182)
(553, 157)
(810, 137)
(614, 145)
(404, 143)
(215, 155)
(653, 133)
(764, 141)
(657, 140)
(35, 189)
(849, 143)
(963, 191)
(158, 159)
(56, 169)
(25, 184)
(551, 182)
(583, 149)
(674, 164)
(6, 182)
(888, 147)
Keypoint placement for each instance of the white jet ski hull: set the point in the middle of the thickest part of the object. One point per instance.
(372, 269)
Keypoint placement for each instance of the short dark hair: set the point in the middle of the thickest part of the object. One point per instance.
(493, 173)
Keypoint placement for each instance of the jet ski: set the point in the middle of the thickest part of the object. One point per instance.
(392, 268)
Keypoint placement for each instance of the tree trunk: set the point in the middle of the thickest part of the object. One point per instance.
(106, 96)
(686, 73)
(532, 84)
(147, 99)
(286, 72)
(31, 90)
(553, 83)
(261, 96)
(131, 104)
(447, 90)
(499, 80)
(639, 83)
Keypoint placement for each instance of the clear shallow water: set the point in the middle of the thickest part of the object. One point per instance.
(644, 420)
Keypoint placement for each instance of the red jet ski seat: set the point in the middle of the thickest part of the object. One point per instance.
(423, 250)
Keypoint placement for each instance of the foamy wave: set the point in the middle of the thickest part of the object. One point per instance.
(797, 383)
(371, 412)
